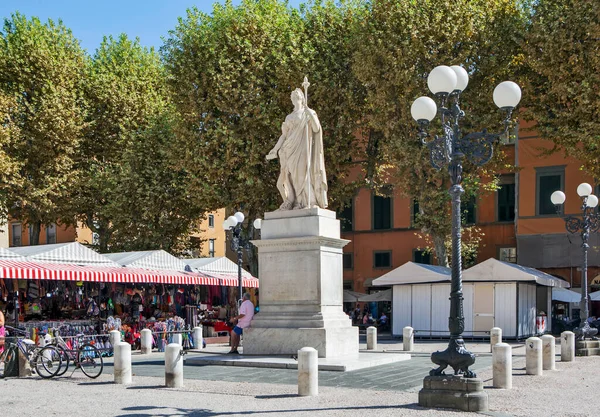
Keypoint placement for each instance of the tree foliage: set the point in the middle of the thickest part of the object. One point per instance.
(128, 193)
(563, 72)
(41, 74)
(399, 43)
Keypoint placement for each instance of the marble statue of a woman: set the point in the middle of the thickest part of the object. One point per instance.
(302, 181)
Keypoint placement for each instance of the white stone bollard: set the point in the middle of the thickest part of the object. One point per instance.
(548, 349)
(408, 339)
(567, 346)
(308, 372)
(197, 338)
(122, 363)
(177, 339)
(533, 356)
(371, 338)
(173, 366)
(114, 337)
(502, 365)
(495, 337)
(146, 341)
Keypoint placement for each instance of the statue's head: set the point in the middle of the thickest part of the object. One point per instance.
(297, 96)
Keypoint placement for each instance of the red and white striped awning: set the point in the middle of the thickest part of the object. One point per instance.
(33, 270)
(233, 281)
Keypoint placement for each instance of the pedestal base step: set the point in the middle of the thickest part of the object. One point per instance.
(587, 347)
(456, 392)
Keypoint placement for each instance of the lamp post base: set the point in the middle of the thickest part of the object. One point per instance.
(456, 392)
(585, 331)
(455, 356)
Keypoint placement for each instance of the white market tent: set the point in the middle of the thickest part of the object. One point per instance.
(152, 259)
(566, 296)
(10, 255)
(352, 296)
(495, 293)
(595, 296)
(221, 267)
(72, 253)
(385, 295)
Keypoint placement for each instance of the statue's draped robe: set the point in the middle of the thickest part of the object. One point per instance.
(304, 137)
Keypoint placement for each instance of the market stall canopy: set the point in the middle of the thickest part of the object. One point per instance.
(385, 295)
(352, 296)
(8, 254)
(595, 296)
(11, 269)
(414, 273)
(64, 253)
(566, 296)
(223, 268)
(493, 270)
(151, 259)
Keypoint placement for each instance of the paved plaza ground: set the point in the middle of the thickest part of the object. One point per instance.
(387, 390)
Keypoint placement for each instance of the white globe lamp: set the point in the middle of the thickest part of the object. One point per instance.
(442, 80)
(423, 108)
(507, 94)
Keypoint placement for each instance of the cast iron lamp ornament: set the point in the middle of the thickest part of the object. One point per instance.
(589, 222)
(238, 243)
(450, 149)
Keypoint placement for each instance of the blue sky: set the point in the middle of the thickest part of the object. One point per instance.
(90, 20)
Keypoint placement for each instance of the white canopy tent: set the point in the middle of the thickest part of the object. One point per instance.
(595, 296)
(73, 253)
(219, 265)
(152, 259)
(495, 293)
(385, 295)
(10, 255)
(352, 296)
(566, 296)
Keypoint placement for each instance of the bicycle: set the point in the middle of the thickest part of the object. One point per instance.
(84, 355)
(45, 361)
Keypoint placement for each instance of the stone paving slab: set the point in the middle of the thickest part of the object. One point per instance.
(364, 360)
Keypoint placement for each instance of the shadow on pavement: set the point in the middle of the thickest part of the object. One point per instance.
(170, 411)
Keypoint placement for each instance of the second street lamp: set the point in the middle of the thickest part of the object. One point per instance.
(450, 149)
(239, 243)
(589, 222)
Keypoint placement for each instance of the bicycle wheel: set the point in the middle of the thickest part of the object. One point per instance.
(47, 362)
(66, 359)
(3, 360)
(90, 361)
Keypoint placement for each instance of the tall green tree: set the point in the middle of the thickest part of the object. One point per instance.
(10, 166)
(125, 92)
(153, 207)
(399, 43)
(41, 72)
(563, 63)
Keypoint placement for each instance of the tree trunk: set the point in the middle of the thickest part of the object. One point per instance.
(34, 236)
(441, 252)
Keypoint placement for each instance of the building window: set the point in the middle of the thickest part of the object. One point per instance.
(211, 248)
(382, 212)
(414, 212)
(508, 255)
(548, 180)
(382, 259)
(30, 233)
(346, 215)
(348, 285)
(16, 234)
(51, 233)
(348, 261)
(469, 213)
(211, 221)
(422, 257)
(505, 196)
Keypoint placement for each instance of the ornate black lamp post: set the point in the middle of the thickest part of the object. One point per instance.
(238, 243)
(589, 222)
(450, 149)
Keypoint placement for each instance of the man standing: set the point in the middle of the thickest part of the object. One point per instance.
(242, 321)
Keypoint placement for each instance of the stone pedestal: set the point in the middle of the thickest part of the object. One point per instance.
(456, 392)
(301, 291)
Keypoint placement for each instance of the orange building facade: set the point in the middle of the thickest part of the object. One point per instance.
(519, 223)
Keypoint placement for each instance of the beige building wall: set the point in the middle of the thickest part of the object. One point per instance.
(211, 230)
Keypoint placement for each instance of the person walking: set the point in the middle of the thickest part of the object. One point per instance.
(241, 321)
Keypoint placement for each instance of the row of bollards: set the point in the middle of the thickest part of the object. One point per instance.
(539, 356)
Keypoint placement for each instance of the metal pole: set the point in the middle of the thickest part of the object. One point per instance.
(240, 289)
